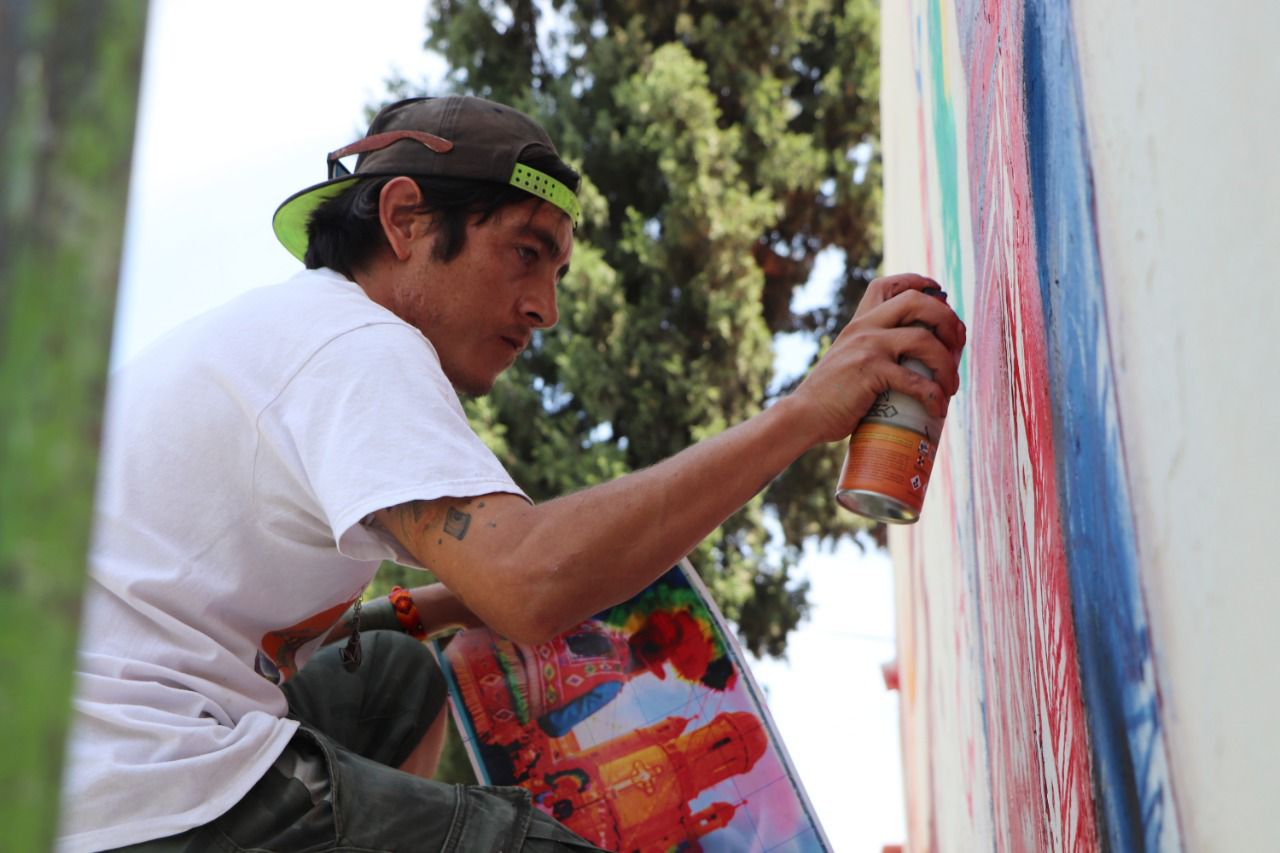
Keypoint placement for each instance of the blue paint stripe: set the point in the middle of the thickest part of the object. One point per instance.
(1135, 802)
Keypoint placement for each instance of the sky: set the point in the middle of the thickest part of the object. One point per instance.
(240, 102)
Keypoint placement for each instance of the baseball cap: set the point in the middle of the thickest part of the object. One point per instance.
(459, 136)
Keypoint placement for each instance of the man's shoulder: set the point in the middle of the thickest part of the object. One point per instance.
(308, 309)
(318, 291)
(272, 331)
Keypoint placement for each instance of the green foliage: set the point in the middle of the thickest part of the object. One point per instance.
(68, 93)
(724, 146)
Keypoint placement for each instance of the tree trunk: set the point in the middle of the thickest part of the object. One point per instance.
(69, 72)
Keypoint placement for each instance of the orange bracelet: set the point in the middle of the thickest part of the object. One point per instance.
(407, 613)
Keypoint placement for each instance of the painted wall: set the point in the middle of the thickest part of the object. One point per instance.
(1084, 610)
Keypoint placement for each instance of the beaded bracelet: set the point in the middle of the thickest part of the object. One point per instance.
(407, 612)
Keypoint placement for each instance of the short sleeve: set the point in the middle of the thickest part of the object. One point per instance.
(370, 421)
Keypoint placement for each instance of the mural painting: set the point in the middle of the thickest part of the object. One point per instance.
(639, 729)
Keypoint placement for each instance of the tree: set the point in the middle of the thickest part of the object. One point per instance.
(724, 145)
(68, 96)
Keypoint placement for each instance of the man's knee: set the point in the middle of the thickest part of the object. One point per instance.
(383, 708)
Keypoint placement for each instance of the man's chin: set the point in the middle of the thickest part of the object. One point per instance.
(469, 386)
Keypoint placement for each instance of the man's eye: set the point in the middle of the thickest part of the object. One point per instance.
(526, 253)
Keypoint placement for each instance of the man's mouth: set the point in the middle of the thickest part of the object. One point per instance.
(516, 343)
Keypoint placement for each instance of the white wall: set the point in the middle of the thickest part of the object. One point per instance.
(1183, 105)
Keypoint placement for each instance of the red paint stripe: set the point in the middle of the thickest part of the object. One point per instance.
(1037, 741)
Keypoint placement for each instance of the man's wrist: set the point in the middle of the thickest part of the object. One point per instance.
(406, 613)
(379, 615)
(797, 419)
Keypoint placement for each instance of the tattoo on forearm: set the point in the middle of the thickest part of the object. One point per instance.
(456, 523)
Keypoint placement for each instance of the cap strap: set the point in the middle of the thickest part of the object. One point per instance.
(382, 140)
(548, 188)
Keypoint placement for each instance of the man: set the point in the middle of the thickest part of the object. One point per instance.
(260, 462)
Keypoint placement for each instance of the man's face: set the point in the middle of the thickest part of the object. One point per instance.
(480, 309)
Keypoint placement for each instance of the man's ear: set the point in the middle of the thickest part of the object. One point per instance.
(402, 224)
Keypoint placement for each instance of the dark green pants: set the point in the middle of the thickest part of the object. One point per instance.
(335, 787)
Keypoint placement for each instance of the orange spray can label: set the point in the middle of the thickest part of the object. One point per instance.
(886, 472)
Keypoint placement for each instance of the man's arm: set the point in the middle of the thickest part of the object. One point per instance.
(533, 571)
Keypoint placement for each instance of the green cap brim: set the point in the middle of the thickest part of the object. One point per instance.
(290, 221)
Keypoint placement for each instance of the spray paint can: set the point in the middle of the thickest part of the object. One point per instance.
(891, 453)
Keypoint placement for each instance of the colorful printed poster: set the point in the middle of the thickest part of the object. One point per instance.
(641, 729)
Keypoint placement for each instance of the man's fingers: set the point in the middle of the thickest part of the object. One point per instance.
(912, 306)
(883, 289)
(912, 326)
(934, 314)
(929, 392)
(918, 343)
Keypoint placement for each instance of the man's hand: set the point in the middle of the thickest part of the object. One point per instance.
(865, 359)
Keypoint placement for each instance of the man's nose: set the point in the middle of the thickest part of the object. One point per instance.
(539, 305)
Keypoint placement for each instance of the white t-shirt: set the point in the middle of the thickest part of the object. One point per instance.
(241, 454)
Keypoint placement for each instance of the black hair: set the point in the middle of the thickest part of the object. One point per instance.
(344, 232)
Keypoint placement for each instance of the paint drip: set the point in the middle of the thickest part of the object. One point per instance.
(891, 453)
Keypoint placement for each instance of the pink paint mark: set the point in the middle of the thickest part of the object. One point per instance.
(1038, 749)
(924, 192)
(967, 649)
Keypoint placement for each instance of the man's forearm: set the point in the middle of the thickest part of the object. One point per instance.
(644, 522)
(532, 571)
